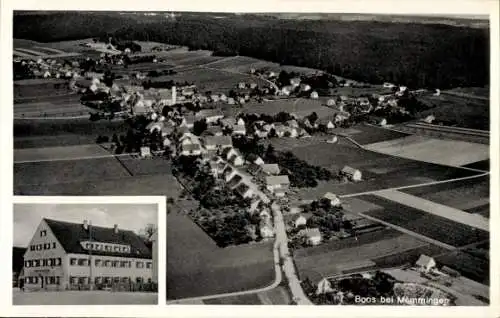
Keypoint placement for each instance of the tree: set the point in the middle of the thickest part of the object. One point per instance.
(148, 231)
(199, 127)
(312, 118)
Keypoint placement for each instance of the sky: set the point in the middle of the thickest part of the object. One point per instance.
(133, 217)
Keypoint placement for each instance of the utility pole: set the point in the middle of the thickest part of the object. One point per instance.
(90, 256)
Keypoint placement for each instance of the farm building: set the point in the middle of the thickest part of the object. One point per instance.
(210, 115)
(332, 140)
(188, 121)
(234, 181)
(228, 122)
(425, 263)
(217, 142)
(271, 168)
(324, 287)
(239, 130)
(333, 198)
(190, 149)
(228, 173)
(266, 229)
(351, 173)
(429, 119)
(228, 153)
(331, 102)
(259, 161)
(301, 219)
(58, 257)
(305, 88)
(312, 235)
(236, 160)
(314, 95)
(145, 152)
(389, 85)
(254, 169)
(274, 183)
(214, 131)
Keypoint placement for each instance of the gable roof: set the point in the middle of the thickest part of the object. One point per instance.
(70, 235)
(349, 170)
(242, 188)
(272, 168)
(423, 260)
(311, 232)
(209, 113)
(275, 180)
(218, 140)
(234, 181)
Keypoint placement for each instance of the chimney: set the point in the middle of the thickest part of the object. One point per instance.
(174, 95)
(115, 228)
(85, 225)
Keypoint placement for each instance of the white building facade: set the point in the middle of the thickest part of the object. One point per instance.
(64, 256)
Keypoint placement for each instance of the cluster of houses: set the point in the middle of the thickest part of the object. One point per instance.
(52, 68)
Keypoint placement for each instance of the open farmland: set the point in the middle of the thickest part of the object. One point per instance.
(426, 224)
(437, 209)
(451, 152)
(196, 267)
(144, 167)
(472, 267)
(463, 195)
(58, 153)
(50, 133)
(368, 134)
(50, 109)
(379, 171)
(46, 173)
(460, 110)
(32, 49)
(209, 79)
(36, 88)
(340, 256)
(126, 185)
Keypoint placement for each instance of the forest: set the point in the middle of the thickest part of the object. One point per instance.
(411, 54)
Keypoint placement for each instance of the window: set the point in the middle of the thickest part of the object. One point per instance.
(117, 249)
(123, 264)
(45, 246)
(115, 264)
(107, 280)
(116, 279)
(149, 280)
(139, 265)
(124, 279)
(107, 263)
(82, 280)
(83, 262)
(32, 247)
(98, 263)
(98, 280)
(73, 280)
(27, 263)
(149, 264)
(58, 280)
(35, 280)
(53, 244)
(37, 263)
(72, 261)
(87, 245)
(138, 280)
(44, 262)
(59, 261)
(43, 233)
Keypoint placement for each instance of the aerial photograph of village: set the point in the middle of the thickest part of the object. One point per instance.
(306, 159)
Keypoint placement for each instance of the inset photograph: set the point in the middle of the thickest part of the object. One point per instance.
(85, 254)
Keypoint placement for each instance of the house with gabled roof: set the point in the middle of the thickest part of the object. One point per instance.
(351, 173)
(234, 181)
(271, 168)
(274, 183)
(217, 142)
(210, 115)
(425, 263)
(63, 255)
(312, 235)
